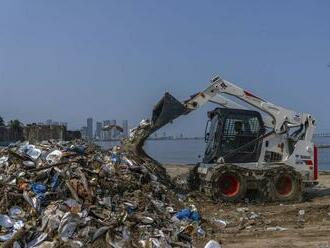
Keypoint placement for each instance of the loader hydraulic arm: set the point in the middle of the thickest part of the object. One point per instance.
(282, 119)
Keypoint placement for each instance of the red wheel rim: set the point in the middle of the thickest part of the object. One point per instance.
(284, 185)
(229, 185)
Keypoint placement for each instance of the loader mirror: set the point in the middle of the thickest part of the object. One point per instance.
(207, 133)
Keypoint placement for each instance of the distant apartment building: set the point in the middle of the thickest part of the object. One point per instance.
(98, 130)
(90, 128)
(114, 131)
(35, 133)
(125, 128)
(83, 132)
(106, 134)
(54, 123)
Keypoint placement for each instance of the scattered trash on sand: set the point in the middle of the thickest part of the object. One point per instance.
(212, 244)
(276, 228)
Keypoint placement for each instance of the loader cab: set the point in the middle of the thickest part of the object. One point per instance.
(227, 130)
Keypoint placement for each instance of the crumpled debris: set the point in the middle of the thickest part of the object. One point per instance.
(3, 161)
(276, 228)
(6, 221)
(212, 244)
(74, 194)
(54, 157)
(220, 223)
(30, 150)
(188, 213)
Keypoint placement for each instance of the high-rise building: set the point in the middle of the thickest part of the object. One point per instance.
(106, 134)
(114, 131)
(98, 130)
(125, 128)
(90, 128)
(83, 132)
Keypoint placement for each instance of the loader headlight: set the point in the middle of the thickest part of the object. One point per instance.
(309, 149)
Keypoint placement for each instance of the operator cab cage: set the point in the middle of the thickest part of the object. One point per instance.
(227, 130)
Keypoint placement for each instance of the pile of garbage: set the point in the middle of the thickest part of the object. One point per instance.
(73, 194)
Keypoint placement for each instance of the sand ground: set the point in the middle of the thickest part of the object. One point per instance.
(251, 225)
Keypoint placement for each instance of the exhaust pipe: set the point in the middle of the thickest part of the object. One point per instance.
(167, 110)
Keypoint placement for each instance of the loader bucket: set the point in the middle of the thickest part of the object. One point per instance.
(166, 110)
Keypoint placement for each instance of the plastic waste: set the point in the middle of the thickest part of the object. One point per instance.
(187, 213)
(31, 151)
(99, 232)
(54, 157)
(195, 216)
(29, 164)
(67, 230)
(147, 220)
(242, 210)
(95, 193)
(37, 241)
(144, 123)
(3, 160)
(6, 237)
(14, 228)
(106, 201)
(47, 244)
(253, 216)
(212, 244)
(200, 231)
(170, 210)
(16, 245)
(16, 212)
(39, 190)
(220, 223)
(18, 225)
(115, 158)
(301, 217)
(55, 181)
(33, 201)
(276, 228)
(183, 214)
(6, 221)
(79, 149)
(71, 203)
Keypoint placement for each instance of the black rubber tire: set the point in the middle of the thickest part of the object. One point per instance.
(217, 192)
(296, 192)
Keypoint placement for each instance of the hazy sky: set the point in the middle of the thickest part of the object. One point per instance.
(70, 59)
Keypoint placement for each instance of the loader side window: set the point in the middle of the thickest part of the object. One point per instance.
(234, 135)
(239, 130)
(212, 143)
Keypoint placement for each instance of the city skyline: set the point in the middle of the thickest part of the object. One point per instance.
(103, 129)
(105, 59)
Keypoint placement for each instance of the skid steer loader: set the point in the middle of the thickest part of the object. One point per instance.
(269, 153)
